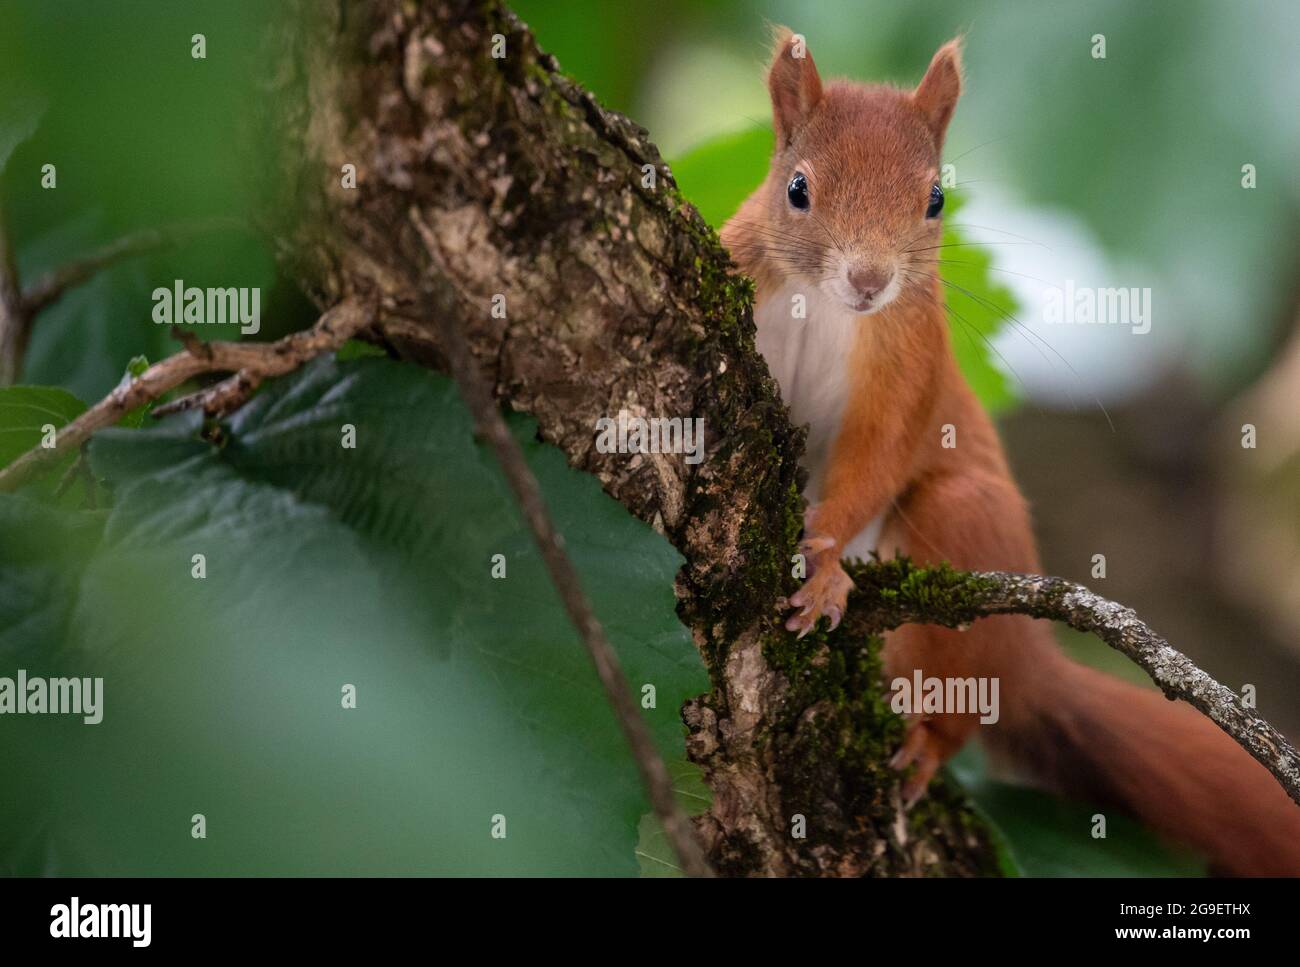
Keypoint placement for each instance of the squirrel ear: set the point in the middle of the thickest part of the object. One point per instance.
(938, 91)
(793, 82)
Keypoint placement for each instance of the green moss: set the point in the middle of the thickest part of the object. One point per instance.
(838, 731)
(737, 855)
(725, 296)
(946, 814)
(947, 596)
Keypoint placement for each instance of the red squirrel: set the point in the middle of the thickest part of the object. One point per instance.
(841, 241)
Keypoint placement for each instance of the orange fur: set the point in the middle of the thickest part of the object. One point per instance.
(870, 154)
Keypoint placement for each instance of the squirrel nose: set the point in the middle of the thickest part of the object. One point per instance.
(869, 280)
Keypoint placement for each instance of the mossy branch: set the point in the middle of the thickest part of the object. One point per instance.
(897, 592)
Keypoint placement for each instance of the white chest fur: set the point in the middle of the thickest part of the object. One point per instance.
(810, 358)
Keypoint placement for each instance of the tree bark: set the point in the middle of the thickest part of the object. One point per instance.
(512, 188)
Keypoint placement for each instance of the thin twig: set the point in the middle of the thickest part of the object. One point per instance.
(13, 319)
(998, 592)
(223, 397)
(258, 360)
(19, 306)
(49, 287)
(654, 774)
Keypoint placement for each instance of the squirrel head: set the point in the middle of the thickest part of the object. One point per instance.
(852, 201)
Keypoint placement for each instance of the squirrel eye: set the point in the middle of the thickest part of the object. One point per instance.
(936, 202)
(797, 191)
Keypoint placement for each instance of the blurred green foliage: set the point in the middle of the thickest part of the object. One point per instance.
(141, 135)
(1049, 836)
(328, 566)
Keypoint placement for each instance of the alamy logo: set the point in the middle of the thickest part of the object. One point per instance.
(53, 696)
(1084, 305)
(219, 307)
(937, 696)
(102, 920)
(636, 434)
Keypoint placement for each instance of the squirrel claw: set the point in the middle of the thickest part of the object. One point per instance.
(920, 750)
(800, 623)
(825, 593)
(812, 546)
(915, 785)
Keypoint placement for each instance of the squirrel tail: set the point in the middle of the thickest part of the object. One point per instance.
(1093, 736)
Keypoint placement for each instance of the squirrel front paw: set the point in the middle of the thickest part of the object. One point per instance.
(826, 592)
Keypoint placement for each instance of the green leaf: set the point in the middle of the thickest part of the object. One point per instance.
(42, 552)
(357, 349)
(1049, 836)
(721, 173)
(26, 412)
(135, 368)
(18, 122)
(653, 851)
(328, 566)
(978, 307)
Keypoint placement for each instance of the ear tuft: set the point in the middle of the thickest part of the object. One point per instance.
(938, 91)
(793, 83)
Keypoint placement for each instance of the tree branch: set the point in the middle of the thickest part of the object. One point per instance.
(985, 593)
(251, 362)
(50, 287)
(13, 318)
(20, 307)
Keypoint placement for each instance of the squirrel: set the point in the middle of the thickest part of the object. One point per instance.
(841, 240)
